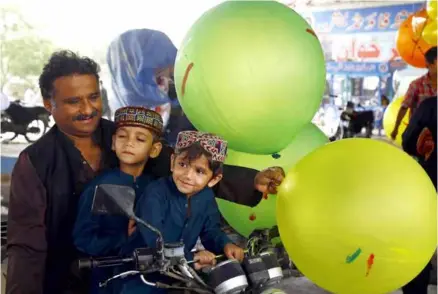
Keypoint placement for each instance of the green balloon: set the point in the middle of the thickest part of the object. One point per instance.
(252, 72)
(245, 219)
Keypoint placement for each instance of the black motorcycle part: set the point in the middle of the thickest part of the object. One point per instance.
(145, 258)
(256, 270)
(228, 277)
(272, 266)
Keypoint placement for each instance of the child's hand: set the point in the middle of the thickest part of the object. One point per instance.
(132, 226)
(234, 252)
(204, 258)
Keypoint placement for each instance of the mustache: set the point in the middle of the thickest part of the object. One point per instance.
(86, 116)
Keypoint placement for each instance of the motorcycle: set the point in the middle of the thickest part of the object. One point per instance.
(259, 273)
(353, 121)
(31, 122)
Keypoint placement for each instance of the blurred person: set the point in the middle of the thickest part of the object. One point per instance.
(420, 140)
(419, 89)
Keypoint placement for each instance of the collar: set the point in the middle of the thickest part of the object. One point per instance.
(102, 136)
(130, 178)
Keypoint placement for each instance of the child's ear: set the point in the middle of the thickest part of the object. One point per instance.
(216, 179)
(113, 144)
(172, 160)
(155, 149)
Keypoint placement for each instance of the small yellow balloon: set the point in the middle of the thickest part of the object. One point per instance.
(432, 9)
(351, 219)
(430, 33)
(390, 117)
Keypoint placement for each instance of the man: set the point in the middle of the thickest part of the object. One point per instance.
(420, 139)
(420, 89)
(50, 175)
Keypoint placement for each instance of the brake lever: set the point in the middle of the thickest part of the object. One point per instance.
(119, 276)
(216, 257)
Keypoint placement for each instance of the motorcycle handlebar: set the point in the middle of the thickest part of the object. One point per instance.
(89, 263)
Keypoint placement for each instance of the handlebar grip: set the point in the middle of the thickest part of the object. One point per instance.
(85, 263)
(88, 263)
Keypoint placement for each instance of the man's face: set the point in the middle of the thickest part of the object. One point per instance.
(191, 177)
(134, 145)
(432, 67)
(76, 104)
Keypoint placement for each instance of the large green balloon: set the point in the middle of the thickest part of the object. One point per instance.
(252, 72)
(245, 219)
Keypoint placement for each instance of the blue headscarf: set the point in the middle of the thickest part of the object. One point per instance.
(133, 58)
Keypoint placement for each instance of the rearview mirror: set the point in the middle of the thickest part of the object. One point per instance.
(114, 200)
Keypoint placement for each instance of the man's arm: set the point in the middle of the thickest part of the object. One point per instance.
(27, 244)
(416, 125)
(238, 186)
(409, 100)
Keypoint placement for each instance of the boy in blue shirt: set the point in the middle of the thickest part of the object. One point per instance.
(183, 206)
(137, 138)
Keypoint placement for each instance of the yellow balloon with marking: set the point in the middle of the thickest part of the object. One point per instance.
(390, 117)
(432, 9)
(430, 33)
(358, 216)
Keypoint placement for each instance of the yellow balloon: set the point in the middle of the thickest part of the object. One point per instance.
(432, 8)
(352, 219)
(390, 117)
(430, 33)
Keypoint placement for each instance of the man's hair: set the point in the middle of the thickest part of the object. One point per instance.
(195, 151)
(65, 63)
(430, 55)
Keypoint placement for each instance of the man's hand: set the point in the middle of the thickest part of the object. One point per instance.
(267, 180)
(394, 133)
(132, 226)
(234, 252)
(204, 258)
(425, 144)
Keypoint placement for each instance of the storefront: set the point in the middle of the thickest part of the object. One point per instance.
(359, 47)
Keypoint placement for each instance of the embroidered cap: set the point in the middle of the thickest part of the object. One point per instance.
(213, 144)
(137, 116)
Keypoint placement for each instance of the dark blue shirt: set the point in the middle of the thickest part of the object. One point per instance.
(179, 218)
(103, 235)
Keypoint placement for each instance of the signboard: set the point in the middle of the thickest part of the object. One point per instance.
(358, 68)
(364, 20)
(365, 35)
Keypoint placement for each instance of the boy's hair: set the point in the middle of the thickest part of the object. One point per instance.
(65, 63)
(431, 55)
(195, 151)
